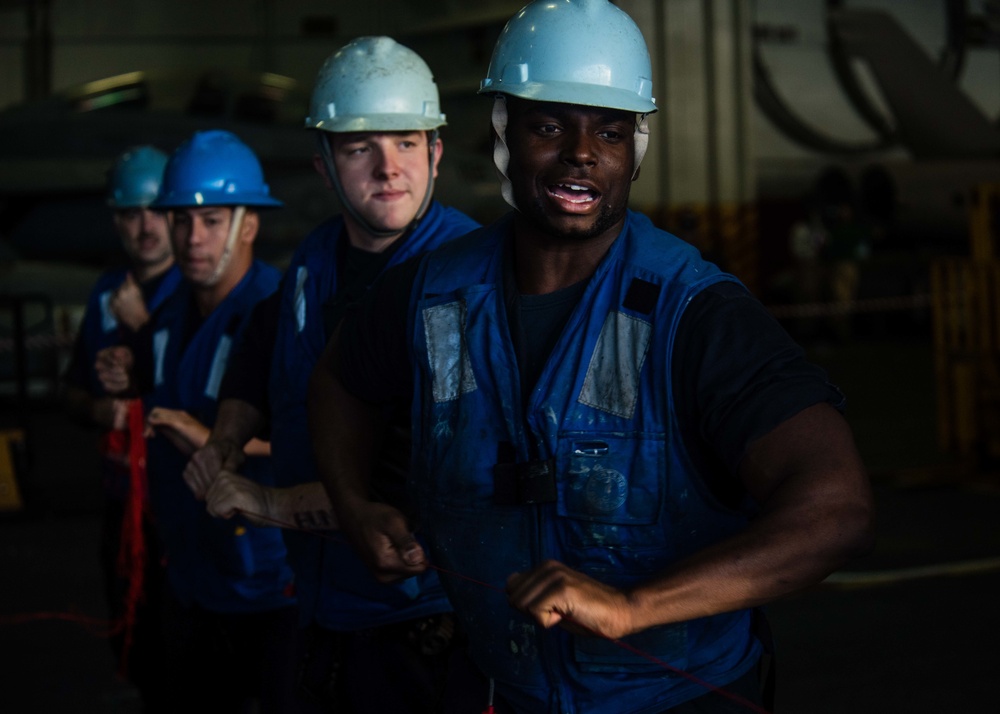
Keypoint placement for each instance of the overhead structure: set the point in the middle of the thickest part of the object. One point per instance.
(698, 177)
(854, 33)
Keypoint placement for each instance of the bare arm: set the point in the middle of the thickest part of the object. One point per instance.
(189, 434)
(817, 513)
(343, 430)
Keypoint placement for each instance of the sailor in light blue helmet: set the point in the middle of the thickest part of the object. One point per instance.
(134, 180)
(375, 114)
(119, 304)
(609, 432)
(538, 57)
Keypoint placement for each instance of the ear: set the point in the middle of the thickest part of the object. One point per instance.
(438, 153)
(250, 227)
(320, 167)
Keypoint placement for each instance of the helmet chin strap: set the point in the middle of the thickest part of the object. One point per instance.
(641, 138)
(501, 153)
(432, 140)
(331, 172)
(235, 225)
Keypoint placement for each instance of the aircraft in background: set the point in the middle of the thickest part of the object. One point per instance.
(902, 115)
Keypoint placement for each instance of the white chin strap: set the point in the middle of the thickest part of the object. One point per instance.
(501, 154)
(641, 138)
(235, 225)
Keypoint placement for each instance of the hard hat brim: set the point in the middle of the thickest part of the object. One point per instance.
(572, 93)
(377, 122)
(215, 198)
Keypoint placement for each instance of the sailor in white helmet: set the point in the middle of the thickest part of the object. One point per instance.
(376, 116)
(617, 452)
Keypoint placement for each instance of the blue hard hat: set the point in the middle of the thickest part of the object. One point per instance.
(375, 84)
(134, 179)
(586, 52)
(214, 168)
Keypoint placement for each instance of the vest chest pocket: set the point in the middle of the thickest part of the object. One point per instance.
(612, 478)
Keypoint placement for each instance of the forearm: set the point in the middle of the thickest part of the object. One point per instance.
(257, 447)
(342, 429)
(238, 421)
(777, 555)
(817, 514)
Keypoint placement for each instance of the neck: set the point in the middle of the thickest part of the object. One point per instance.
(208, 297)
(544, 263)
(360, 238)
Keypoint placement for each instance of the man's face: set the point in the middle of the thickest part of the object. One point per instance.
(144, 235)
(384, 175)
(571, 166)
(199, 237)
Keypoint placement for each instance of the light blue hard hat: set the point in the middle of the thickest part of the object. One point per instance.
(134, 179)
(585, 52)
(214, 168)
(375, 84)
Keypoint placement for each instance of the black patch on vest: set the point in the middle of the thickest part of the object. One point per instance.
(641, 296)
(525, 483)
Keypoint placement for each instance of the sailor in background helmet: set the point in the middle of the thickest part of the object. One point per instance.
(232, 635)
(119, 304)
(618, 453)
(123, 297)
(376, 115)
(214, 186)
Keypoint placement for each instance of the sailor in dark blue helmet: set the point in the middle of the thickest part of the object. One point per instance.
(232, 636)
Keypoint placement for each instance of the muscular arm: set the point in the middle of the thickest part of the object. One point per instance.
(757, 419)
(343, 430)
(817, 513)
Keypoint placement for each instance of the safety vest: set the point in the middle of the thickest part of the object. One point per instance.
(592, 471)
(334, 586)
(99, 327)
(223, 565)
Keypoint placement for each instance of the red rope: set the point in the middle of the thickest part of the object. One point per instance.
(99, 627)
(129, 446)
(132, 556)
